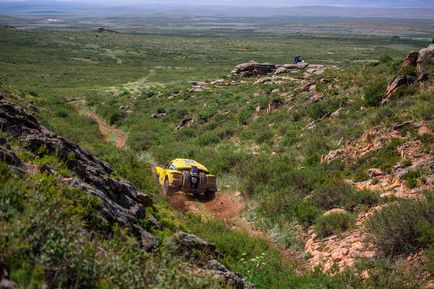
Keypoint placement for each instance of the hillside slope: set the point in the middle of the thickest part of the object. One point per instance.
(65, 202)
(333, 162)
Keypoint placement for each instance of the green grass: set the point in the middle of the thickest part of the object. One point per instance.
(284, 177)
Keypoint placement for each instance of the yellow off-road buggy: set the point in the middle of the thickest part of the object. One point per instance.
(187, 176)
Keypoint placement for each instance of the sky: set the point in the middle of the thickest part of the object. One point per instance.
(268, 3)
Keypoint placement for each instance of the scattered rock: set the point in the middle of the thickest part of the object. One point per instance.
(186, 122)
(309, 87)
(265, 79)
(32, 106)
(410, 60)
(253, 68)
(196, 89)
(374, 172)
(281, 70)
(185, 245)
(5, 283)
(316, 97)
(335, 211)
(274, 105)
(159, 115)
(8, 284)
(175, 94)
(397, 82)
(220, 82)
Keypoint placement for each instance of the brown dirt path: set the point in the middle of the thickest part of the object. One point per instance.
(106, 130)
(227, 207)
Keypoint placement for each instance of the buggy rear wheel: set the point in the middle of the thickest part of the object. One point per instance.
(209, 195)
(167, 190)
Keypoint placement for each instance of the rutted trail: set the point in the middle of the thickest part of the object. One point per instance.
(107, 131)
(227, 207)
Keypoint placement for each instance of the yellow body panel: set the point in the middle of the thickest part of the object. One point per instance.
(187, 164)
(174, 173)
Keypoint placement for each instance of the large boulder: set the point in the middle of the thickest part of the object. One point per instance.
(425, 62)
(122, 202)
(253, 68)
(410, 60)
(204, 255)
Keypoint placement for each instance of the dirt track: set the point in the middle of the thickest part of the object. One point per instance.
(106, 130)
(228, 207)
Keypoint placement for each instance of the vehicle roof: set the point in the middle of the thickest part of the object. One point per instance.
(187, 163)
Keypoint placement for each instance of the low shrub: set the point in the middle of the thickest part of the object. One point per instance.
(33, 93)
(358, 199)
(320, 109)
(334, 223)
(307, 213)
(374, 92)
(208, 138)
(403, 227)
(115, 117)
(411, 179)
(330, 196)
(61, 113)
(264, 136)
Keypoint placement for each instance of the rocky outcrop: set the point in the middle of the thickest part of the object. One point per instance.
(186, 245)
(413, 154)
(122, 202)
(253, 68)
(397, 82)
(410, 60)
(425, 62)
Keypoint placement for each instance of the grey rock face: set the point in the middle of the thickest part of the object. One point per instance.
(425, 61)
(253, 68)
(122, 202)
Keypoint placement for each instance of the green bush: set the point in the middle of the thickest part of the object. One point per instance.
(356, 200)
(374, 92)
(306, 213)
(208, 138)
(320, 109)
(33, 93)
(264, 136)
(334, 223)
(12, 197)
(61, 113)
(115, 117)
(329, 196)
(403, 227)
